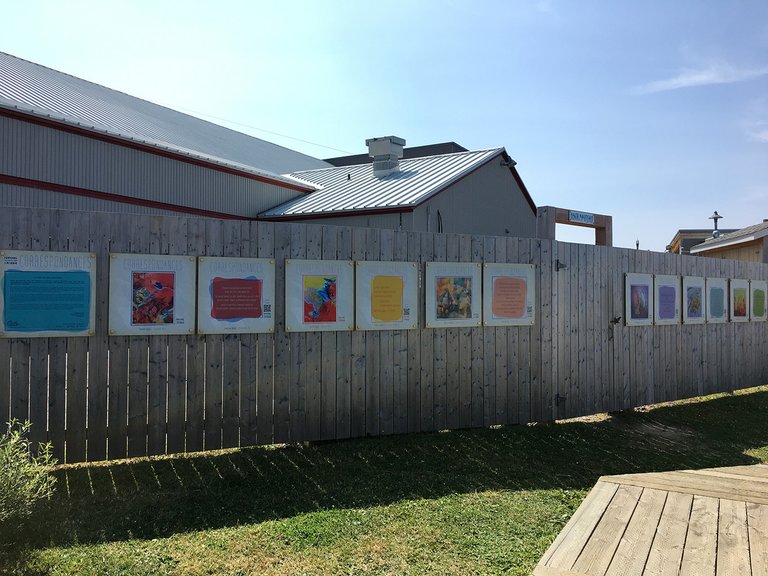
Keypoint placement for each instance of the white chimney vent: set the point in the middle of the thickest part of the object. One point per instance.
(386, 152)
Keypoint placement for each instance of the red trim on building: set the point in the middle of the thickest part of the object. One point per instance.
(95, 135)
(53, 187)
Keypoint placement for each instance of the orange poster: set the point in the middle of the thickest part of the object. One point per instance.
(509, 297)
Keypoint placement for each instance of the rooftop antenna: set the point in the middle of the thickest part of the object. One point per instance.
(715, 217)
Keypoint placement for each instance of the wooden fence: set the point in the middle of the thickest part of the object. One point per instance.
(103, 397)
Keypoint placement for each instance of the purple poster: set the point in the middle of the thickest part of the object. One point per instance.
(667, 302)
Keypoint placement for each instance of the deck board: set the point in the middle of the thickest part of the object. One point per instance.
(688, 522)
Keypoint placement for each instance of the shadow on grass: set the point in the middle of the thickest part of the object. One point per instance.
(160, 497)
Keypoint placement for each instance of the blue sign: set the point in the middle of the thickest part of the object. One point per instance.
(581, 217)
(46, 301)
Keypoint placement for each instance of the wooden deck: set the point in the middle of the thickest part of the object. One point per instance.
(711, 522)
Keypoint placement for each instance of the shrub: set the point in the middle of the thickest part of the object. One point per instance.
(24, 477)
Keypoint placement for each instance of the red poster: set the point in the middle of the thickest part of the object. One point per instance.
(153, 297)
(235, 298)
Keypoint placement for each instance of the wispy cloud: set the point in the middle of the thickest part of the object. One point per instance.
(713, 73)
(758, 131)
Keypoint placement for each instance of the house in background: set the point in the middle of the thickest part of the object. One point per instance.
(74, 145)
(470, 192)
(685, 239)
(749, 244)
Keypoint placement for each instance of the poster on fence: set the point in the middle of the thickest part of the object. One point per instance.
(638, 298)
(739, 300)
(666, 296)
(151, 294)
(319, 295)
(46, 294)
(453, 296)
(757, 293)
(717, 300)
(235, 295)
(694, 300)
(386, 295)
(509, 294)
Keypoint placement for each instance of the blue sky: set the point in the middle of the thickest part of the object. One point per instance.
(654, 112)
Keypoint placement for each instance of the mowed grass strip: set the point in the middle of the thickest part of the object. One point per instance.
(463, 502)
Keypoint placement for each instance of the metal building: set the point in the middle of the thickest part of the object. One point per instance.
(471, 192)
(71, 144)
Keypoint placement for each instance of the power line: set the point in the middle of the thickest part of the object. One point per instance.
(262, 130)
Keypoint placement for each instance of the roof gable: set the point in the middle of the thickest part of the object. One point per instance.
(747, 234)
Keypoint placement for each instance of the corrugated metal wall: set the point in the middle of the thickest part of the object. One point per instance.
(474, 205)
(41, 153)
(23, 197)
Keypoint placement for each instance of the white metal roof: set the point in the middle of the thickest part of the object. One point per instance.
(31, 88)
(348, 189)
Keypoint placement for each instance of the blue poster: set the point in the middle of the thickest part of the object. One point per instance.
(37, 301)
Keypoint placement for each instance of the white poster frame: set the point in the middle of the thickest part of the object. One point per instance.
(733, 285)
(665, 281)
(235, 268)
(295, 271)
(496, 270)
(721, 283)
(365, 272)
(753, 286)
(436, 270)
(632, 279)
(122, 268)
(44, 261)
(694, 282)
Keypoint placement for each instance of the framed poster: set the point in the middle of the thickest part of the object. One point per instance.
(694, 300)
(509, 294)
(453, 294)
(151, 294)
(739, 301)
(757, 292)
(235, 295)
(47, 294)
(717, 300)
(319, 295)
(386, 295)
(666, 295)
(638, 298)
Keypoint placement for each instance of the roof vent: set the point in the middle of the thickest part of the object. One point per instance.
(386, 152)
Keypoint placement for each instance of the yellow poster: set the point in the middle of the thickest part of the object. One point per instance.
(387, 298)
(509, 297)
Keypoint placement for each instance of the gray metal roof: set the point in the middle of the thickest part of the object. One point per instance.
(31, 88)
(348, 189)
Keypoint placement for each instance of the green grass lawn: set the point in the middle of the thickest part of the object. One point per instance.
(466, 502)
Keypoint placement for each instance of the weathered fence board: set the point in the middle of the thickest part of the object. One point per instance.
(108, 396)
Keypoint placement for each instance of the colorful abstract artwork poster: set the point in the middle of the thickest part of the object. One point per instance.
(453, 297)
(693, 302)
(319, 298)
(152, 295)
(740, 302)
(234, 299)
(639, 301)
